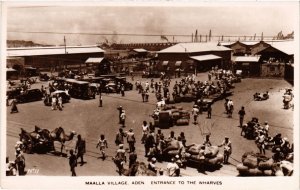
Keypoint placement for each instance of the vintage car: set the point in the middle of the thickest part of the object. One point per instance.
(122, 81)
(65, 97)
(29, 96)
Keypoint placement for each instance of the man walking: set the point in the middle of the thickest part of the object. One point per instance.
(72, 162)
(209, 109)
(227, 149)
(123, 117)
(131, 140)
(100, 100)
(242, 114)
(80, 148)
(195, 112)
(120, 112)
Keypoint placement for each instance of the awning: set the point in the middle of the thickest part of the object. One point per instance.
(165, 63)
(94, 60)
(245, 64)
(10, 70)
(178, 63)
(205, 57)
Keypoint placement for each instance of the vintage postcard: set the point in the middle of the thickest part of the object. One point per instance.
(150, 95)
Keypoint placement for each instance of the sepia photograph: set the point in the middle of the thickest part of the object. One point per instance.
(150, 95)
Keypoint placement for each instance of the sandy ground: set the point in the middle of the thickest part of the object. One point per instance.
(89, 120)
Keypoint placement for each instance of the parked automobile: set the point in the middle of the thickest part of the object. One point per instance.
(80, 89)
(65, 97)
(122, 81)
(30, 96)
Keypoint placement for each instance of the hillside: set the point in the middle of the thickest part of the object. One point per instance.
(22, 43)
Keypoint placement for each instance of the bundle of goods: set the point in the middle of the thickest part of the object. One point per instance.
(257, 165)
(211, 154)
(172, 149)
(187, 98)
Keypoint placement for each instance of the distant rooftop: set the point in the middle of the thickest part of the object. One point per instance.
(247, 58)
(55, 50)
(205, 57)
(194, 47)
(140, 50)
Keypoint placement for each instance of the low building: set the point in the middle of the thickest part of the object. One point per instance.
(140, 52)
(98, 64)
(191, 57)
(54, 58)
(273, 69)
(250, 65)
(279, 51)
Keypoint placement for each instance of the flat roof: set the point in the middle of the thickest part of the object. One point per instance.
(94, 60)
(194, 47)
(140, 50)
(55, 50)
(247, 58)
(205, 57)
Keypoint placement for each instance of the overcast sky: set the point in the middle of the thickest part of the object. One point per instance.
(222, 20)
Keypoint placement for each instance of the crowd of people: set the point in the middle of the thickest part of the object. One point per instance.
(156, 144)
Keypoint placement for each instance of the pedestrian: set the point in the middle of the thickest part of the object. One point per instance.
(145, 131)
(158, 136)
(120, 112)
(266, 128)
(227, 149)
(260, 142)
(80, 148)
(120, 159)
(151, 127)
(20, 162)
(201, 157)
(149, 143)
(147, 86)
(100, 100)
(242, 114)
(230, 108)
(102, 143)
(195, 113)
(122, 90)
(171, 136)
(72, 162)
(143, 95)
(123, 117)
(183, 139)
(131, 140)
(209, 75)
(207, 141)
(53, 102)
(226, 105)
(14, 108)
(173, 169)
(156, 87)
(60, 103)
(146, 96)
(132, 158)
(120, 137)
(209, 110)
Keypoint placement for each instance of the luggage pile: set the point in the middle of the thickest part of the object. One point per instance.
(257, 165)
(179, 115)
(211, 154)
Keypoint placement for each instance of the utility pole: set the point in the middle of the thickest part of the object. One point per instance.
(65, 44)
